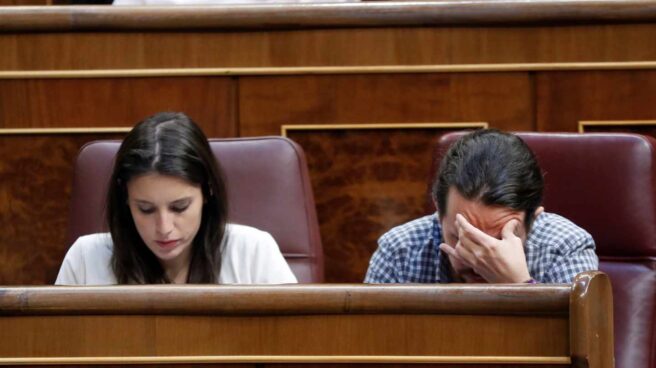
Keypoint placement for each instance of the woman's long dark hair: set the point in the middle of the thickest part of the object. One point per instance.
(168, 144)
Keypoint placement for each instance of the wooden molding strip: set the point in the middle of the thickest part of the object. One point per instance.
(289, 359)
(286, 128)
(282, 300)
(325, 15)
(89, 130)
(627, 123)
(375, 69)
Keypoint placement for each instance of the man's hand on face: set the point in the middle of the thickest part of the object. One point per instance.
(496, 260)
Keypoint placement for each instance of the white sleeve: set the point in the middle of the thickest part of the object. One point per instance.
(88, 262)
(270, 266)
(251, 256)
(72, 269)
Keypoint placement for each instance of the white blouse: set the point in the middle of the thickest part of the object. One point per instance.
(249, 256)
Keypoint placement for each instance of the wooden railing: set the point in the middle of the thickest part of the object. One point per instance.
(497, 325)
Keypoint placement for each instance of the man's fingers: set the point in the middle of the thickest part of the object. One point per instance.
(509, 230)
(466, 255)
(467, 230)
(454, 253)
(448, 250)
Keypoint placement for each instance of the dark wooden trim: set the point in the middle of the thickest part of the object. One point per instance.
(288, 299)
(591, 321)
(329, 15)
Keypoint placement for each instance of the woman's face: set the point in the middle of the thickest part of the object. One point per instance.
(167, 212)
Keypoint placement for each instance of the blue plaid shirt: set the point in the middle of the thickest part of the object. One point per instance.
(556, 250)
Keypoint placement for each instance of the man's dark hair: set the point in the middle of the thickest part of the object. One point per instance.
(493, 167)
(169, 144)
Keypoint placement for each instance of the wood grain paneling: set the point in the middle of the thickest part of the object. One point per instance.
(328, 47)
(35, 183)
(565, 98)
(30, 103)
(504, 100)
(311, 335)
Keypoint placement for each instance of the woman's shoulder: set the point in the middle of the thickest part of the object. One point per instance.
(252, 256)
(245, 237)
(97, 240)
(87, 262)
(97, 245)
(240, 230)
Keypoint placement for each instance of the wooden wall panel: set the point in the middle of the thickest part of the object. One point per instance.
(295, 334)
(36, 174)
(502, 99)
(565, 98)
(366, 182)
(327, 47)
(98, 102)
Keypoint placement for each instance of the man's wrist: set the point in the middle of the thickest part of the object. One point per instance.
(531, 281)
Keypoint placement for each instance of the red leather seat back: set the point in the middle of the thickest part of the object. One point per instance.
(268, 188)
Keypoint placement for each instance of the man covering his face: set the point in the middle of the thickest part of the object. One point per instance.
(489, 227)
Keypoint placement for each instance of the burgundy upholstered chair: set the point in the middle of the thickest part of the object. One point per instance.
(268, 188)
(606, 184)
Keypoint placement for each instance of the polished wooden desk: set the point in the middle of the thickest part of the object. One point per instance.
(455, 325)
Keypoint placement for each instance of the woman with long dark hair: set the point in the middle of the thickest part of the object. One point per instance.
(167, 216)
